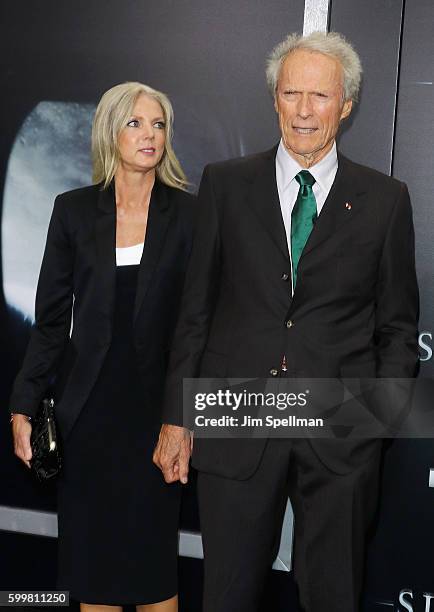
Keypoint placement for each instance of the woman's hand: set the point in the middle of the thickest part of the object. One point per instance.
(21, 430)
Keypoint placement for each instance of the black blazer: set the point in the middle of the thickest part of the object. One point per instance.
(354, 310)
(77, 284)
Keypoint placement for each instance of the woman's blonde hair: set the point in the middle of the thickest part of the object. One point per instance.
(112, 114)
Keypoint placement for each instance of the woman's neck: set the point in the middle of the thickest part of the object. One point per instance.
(133, 189)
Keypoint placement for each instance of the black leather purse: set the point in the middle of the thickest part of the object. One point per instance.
(46, 458)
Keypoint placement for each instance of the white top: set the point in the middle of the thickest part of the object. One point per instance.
(287, 168)
(129, 256)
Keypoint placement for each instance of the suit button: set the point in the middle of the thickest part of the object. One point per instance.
(273, 372)
(289, 323)
(285, 277)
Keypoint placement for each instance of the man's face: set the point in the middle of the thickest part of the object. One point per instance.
(310, 105)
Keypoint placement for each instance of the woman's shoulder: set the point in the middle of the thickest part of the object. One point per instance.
(179, 195)
(82, 194)
(183, 202)
(79, 204)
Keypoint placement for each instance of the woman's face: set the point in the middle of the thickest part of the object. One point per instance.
(141, 142)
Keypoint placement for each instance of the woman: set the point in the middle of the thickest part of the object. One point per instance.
(113, 266)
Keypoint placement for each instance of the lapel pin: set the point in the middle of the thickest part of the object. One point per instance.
(348, 206)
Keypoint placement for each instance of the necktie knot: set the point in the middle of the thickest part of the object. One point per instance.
(304, 178)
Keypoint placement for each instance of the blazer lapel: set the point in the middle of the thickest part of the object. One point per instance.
(263, 198)
(341, 206)
(106, 253)
(158, 220)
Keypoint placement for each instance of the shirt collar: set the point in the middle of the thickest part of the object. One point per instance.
(323, 172)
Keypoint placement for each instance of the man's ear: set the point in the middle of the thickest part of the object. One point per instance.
(275, 102)
(346, 109)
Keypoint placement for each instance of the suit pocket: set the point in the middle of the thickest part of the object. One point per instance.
(359, 377)
(363, 369)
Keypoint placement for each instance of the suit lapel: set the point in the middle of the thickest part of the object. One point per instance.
(158, 220)
(341, 206)
(263, 199)
(105, 247)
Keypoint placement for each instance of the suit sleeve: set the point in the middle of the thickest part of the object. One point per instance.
(53, 310)
(397, 296)
(197, 303)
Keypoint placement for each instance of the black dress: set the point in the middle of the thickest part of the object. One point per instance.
(118, 519)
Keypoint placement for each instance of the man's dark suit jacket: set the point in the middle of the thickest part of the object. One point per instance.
(354, 309)
(77, 278)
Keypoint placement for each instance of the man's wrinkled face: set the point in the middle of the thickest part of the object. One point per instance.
(309, 102)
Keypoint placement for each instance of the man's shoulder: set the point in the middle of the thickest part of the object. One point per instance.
(368, 177)
(242, 167)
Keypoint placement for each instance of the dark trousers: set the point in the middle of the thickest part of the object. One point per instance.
(241, 523)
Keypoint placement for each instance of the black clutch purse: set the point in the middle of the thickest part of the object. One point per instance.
(46, 459)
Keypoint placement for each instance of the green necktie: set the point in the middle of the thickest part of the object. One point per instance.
(302, 218)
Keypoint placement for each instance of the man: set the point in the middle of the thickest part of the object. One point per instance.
(299, 253)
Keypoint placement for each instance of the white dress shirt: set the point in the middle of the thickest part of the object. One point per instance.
(287, 168)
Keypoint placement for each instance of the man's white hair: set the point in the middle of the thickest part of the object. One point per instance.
(327, 43)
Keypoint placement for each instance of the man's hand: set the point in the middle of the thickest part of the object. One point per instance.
(21, 430)
(173, 452)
